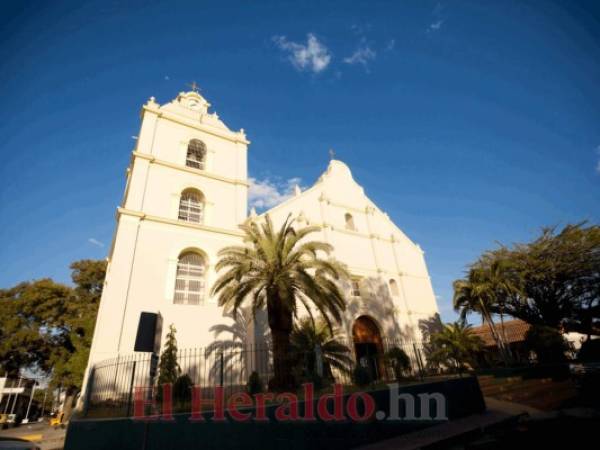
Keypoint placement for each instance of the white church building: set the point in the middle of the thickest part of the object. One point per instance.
(186, 195)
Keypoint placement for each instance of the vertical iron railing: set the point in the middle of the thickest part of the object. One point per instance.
(112, 384)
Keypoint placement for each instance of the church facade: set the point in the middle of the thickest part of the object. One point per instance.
(185, 196)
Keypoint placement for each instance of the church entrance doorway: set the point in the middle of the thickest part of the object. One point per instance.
(368, 346)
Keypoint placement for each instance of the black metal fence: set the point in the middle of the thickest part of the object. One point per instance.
(112, 384)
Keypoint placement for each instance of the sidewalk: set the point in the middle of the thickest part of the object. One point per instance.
(497, 411)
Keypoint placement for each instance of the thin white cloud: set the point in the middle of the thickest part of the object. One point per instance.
(598, 163)
(435, 26)
(95, 242)
(438, 19)
(362, 55)
(267, 193)
(390, 45)
(314, 56)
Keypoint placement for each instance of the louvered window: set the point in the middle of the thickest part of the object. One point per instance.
(189, 283)
(196, 154)
(191, 206)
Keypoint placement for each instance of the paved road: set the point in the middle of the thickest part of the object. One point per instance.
(42, 434)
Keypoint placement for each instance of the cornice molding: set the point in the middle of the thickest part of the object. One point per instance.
(195, 226)
(229, 135)
(356, 270)
(181, 168)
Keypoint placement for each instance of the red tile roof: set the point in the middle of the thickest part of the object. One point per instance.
(514, 330)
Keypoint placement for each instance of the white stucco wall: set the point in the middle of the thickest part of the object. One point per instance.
(149, 237)
(375, 252)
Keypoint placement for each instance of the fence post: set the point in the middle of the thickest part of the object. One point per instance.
(131, 387)
(221, 368)
(319, 360)
(419, 362)
(116, 374)
(153, 370)
(88, 391)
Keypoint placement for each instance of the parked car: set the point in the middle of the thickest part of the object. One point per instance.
(8, 420)
(16, 444)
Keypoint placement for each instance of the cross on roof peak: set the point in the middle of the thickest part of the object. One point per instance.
(194, 86)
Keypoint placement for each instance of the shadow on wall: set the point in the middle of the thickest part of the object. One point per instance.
(240, 346)
(376, 302)
(428, 328)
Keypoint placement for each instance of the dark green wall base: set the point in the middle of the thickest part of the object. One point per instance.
(463, 397)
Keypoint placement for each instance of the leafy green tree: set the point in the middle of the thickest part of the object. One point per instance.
(23, 341)
(304, 340)
(456, 345)
(69, 360)
(279, 270)
(547, 343)
(47, 326)
(555, 279)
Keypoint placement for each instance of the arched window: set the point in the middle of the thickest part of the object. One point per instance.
(189, 283)
(191, 206)
(196, 154)
(394, 288)
(349, 222)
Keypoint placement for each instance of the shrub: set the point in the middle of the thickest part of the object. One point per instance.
(361, 376)
(547, 343)
(182, 389)
(254, 385)
(399, 361)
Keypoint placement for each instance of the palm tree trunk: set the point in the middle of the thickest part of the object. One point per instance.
(504, 340)
(282, 377)
(68, 404)
(499, 342)
(281, 323)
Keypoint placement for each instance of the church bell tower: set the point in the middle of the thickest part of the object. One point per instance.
(185, 195)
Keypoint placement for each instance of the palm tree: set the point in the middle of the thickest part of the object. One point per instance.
(456, 344)
(281, 271)
(478, 293)
(501, 286)
(307, 336)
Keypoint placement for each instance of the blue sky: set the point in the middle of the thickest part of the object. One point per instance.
(469, 122)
